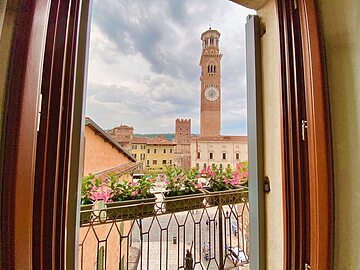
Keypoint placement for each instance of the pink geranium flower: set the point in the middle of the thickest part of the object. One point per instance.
(101, 193)
(235, 181)
(199, 185)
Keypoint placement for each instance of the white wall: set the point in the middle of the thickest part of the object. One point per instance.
(272, 136)
(341, 23)
(217, 148)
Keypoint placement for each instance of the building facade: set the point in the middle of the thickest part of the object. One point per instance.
(123, 135)
(222, 151)
(154, 153)
(139, 149)
(102, 152)
(182, 157)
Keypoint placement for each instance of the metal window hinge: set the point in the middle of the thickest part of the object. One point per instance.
(267, 184)
(303, 129)
(262, 29)
(307, 266)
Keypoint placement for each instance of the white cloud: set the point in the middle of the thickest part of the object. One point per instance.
(144, 62)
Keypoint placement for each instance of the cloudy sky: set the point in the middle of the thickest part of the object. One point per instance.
(144, 63)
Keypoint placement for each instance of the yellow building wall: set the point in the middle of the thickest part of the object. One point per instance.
(340, 24)
(136, 150)
(100, 155)
(159, 156)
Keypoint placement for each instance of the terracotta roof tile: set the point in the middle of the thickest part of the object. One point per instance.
(119, 170)
(153, 141)
(123, 127)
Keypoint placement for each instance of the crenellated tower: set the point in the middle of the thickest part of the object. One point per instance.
(182, 156)
(183, 131)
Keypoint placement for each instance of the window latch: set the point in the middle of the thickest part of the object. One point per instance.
(303, 129)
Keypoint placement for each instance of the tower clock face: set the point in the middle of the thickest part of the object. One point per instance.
(212, 93)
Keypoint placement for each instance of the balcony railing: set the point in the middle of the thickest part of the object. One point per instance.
(206, 232)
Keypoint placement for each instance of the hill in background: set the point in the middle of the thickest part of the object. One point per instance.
(168, 136)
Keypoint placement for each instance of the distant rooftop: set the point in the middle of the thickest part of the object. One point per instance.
(118, 170)
(219, 138)
(123, 127)
(152, 141)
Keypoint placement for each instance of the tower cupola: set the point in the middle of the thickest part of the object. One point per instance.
(210, 38)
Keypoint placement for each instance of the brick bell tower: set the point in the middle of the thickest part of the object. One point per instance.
(210, 98)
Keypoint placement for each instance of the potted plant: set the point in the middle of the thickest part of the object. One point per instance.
(183, 191)
(135, 195)
(222, 187)
(92, 190)
(241, 174)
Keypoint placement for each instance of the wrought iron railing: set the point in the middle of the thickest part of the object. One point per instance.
(214, 228)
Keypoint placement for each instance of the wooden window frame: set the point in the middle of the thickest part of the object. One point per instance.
(20, 136)
(318, 137)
